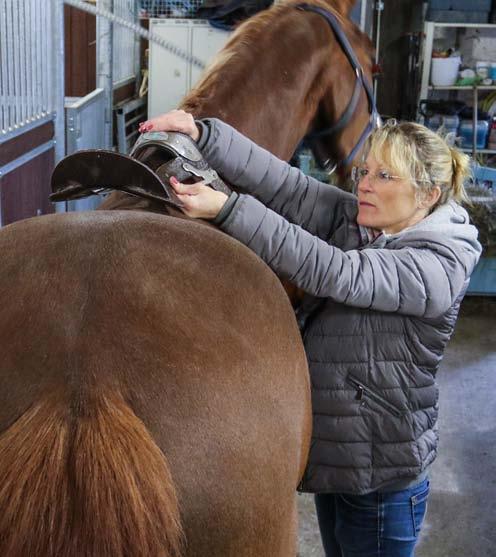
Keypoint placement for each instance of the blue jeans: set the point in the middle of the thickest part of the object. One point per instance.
(379, 524)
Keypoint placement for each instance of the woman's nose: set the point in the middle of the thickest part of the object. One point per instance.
(364, 184)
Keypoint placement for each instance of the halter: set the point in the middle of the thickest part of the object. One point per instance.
(360, 81)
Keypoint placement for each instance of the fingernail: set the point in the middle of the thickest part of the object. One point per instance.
(174, 180)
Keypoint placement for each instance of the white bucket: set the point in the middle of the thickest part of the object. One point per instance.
(444, 71)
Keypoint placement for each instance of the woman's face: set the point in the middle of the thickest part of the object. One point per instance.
(385, 201)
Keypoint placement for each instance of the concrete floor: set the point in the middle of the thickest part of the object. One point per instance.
(461, 514)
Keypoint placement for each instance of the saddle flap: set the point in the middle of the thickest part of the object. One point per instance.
(95, 171)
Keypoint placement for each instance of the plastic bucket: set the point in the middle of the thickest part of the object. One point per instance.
(444, 71)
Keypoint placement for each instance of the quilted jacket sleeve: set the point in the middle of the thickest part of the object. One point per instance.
(417, 279)
(315, 206)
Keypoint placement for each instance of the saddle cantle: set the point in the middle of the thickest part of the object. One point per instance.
(145, 172)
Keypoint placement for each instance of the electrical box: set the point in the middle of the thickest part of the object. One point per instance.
(171, 77)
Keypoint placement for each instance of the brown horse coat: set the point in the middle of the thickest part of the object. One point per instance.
(154, 396)
(144, 356)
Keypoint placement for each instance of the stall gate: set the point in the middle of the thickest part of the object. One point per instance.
(31, 105)
(33, 131)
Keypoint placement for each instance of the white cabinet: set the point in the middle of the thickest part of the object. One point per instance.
(171, 77)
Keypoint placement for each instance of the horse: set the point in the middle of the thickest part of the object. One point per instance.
(154, 391)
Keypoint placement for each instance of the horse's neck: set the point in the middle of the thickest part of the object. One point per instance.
(268, 81)
(270, 127)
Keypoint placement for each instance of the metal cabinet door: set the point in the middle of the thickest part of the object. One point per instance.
(205, 44)
(168, 77)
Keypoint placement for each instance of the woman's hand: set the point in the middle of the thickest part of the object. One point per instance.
(200, 201)
(173, 121)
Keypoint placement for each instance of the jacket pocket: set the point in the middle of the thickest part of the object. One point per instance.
(364, 392)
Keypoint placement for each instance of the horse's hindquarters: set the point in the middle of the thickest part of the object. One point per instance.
(194, 332)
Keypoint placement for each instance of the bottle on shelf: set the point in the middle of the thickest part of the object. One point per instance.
(492, 134)
(466, 132)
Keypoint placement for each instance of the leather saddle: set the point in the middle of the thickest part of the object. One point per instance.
(145, 172)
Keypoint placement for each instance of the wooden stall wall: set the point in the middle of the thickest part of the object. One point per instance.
(24, 191)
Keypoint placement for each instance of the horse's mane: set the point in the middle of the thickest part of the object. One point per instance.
(249, 41)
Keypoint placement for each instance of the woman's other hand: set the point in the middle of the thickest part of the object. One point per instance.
(200, 201)
(173, 121)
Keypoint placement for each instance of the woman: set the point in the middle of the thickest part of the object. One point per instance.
(390, 267)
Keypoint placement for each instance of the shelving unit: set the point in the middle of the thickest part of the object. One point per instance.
(425, 88)
(482, 281)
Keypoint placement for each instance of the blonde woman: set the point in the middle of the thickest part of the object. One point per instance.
(388, 268)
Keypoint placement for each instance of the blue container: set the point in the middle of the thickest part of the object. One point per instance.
(458, 16)
(448, 123)
(471, 5)
(484, 176)
(466, 132)
(440, 4)
(483, 279)
(461, 5)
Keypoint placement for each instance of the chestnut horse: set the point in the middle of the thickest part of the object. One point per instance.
(154, 393)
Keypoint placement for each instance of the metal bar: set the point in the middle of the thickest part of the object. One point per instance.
(137, 50)
(121, 133)
(47, 73)
(37, 72)
(474, 122)
(16, 68)
(124, 39)
(426, 59)
(122, 82)
(135, 119)
(10, 72)
(26, 157)
(132, 134)
(32, 63)
(59, 79)
(104, 48)
(131, 105)
(123, 124)
(87, 99)
(4, 114)
(23, 63)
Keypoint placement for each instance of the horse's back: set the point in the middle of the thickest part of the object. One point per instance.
(194, 332)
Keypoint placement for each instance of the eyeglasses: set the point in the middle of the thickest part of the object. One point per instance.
(358, 173)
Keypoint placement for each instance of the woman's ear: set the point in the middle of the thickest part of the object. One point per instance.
(430, 198)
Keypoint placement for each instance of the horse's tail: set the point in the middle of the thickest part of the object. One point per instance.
(92, 486)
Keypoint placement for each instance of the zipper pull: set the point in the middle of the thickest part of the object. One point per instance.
(359, 394)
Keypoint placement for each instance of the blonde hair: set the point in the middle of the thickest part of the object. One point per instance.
(414, 152)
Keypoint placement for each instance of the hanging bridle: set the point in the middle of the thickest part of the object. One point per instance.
(360, 82)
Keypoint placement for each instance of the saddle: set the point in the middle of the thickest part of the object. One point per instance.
(145, 172)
